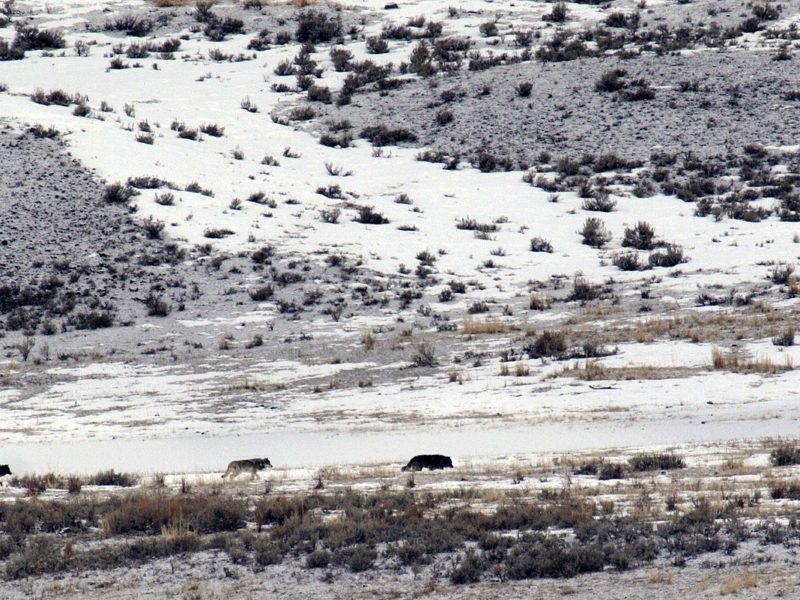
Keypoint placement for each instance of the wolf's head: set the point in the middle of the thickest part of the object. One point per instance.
(264, 463)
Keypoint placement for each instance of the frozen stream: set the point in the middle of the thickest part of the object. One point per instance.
(316, 449)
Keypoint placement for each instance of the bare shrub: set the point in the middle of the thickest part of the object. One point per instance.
(641, 236)
(424, 356)
(594, 233)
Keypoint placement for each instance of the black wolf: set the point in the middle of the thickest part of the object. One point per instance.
(429, 461)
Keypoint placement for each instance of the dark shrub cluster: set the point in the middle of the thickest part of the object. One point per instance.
(156, 305)
(111, 477)
(369, 216)
(599, 201)
(381, 135)
(563, 47)
(584, 291)
(58, 97)
(539, 244)
(117, 193)
(656, 462)
(10, 52)
(316, 26)
(92, 319)
(149, 513)
(30, 37)
(217, 29)
(784, 455)
(131, 25)
(641, 236)
(547, 344)
(671, 256)
(594, 233)
(471, 224)
(558, 14)
(627, 261)
(261, 293)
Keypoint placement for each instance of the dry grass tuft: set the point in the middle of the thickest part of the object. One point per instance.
(245, 384)
(735, 583)
(475, 326)
(368, 341)
(595, 370)
(736, 363)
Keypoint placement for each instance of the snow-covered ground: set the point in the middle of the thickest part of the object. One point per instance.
(226, 396)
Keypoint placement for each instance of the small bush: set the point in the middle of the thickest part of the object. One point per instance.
(558, 14)
(380, 135)
(212, 129)
(165, 199)
(131, 25)
(785, 338)
(188, 134)
(671, 256)
(156, 306)
(111, 477)
(377, 45)
(478, 307)
(319, 559)
(320, 93)
(267, 552)
(262, 255)
(656, 462)
(784, 455)
(539, 244)
(261, 293)
(611, 471)
(369, 216)
(594, 233)
(153, 228)
(340, 57)
(488, 29)
(472, 225)
(547, 344)
(641, 236)
(217, 233)
(444, 117)
(599, 202)
(358, 558)
(611, 81)
(249, 106)
(117, 193)
(10, 52)
(524, 89)
(92, 319)
(789, 490)
(781, 274)
(425, 356)
(316, 27)
(40, 554)
(627, 261)
(30, 37)
(639, 93)
(39, 131)
(584, 291)
(469, 569)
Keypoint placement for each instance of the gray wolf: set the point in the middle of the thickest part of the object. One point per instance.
(249, 465)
